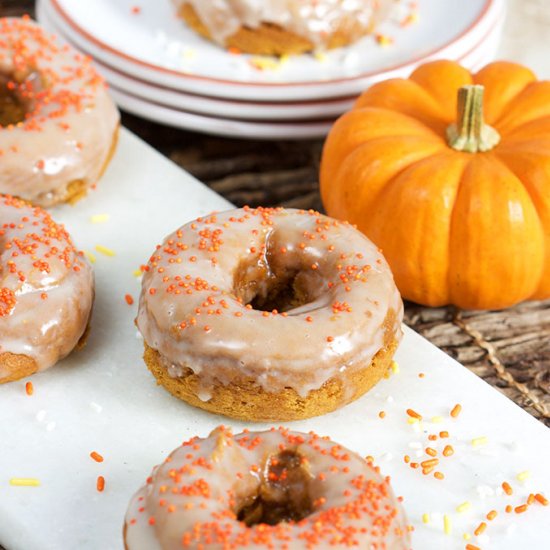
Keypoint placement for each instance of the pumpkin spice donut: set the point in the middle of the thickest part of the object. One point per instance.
(268, 314)
(46, 291)
(275, 27)
(58, 125)
(265, 490)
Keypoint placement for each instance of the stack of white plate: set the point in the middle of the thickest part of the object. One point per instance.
(159, 69)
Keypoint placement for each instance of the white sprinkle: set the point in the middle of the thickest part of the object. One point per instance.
(139, 336)
(418, 453)
(50, 426)
(96, 407)
(41, 415)
(386, 457)
(415, 445)
(485, 491)
(417, 427)
(390, 399)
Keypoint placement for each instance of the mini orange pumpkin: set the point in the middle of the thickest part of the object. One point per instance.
(461, 209)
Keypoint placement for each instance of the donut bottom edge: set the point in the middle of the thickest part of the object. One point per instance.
(20, 366)
(270, 39)
(247, 401)
(77, 189)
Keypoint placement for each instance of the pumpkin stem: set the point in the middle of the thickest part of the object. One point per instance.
(470, 133)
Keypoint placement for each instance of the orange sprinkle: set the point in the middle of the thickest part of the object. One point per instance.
(100, 484)
(96, 456)
(508, 508)
(330, 339)
(443, 434)
(456, 410)
(381, 414)
(29, 388)
(530, 499)
(430, 451)
(414, 414)
(421, 375)
(541, 499)
(472, 547)
(129, 299)
(480, 528)
(439, 475)
(520, 509)
(448, 450)
(136, 10)
(492, 515)
(507, 489)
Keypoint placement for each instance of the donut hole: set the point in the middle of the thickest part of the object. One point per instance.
(277, 282)
(13, 105)
(283, 494)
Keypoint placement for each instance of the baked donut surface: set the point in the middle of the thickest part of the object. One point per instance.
(58, 125)
(275, 489)
(46, 291)
(252, 308)
(279, 27)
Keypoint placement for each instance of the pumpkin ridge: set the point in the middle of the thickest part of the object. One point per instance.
(424, 149)
(509, 120)
(500, 72)
(436, 165)
(510, 136)
(477, 288)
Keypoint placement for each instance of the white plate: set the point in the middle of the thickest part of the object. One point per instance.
(172, 108)
(219, 126)
(104, 399)
(243, 110)
(155, 47)
(237, 128)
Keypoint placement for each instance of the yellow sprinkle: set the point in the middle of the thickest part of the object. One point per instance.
(104, 250)
(466, 536)
(478, 441)
(137, 273)
(447, 526)
(437, 419)
(425, 518)
(189, 53)
(99, 218)
(463, 507)
(24, 482)
(384, 39)
(264, 63)
(412, 420)
(90, 257)
(395, 367)
(522, 476)
(284, 59)
(320, 56)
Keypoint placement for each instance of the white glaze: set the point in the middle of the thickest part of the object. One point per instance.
(226, 474)
(226, 341)
(315, 20)
(54, 301)
(42, 155)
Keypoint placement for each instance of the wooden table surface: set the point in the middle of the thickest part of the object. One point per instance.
(509, 349)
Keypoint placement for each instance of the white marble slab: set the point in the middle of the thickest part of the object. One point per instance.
(103, 399)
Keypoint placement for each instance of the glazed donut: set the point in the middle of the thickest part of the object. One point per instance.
(276, 489)
(46, 291)
(280, 27)
(268, 314)
(58, 126)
